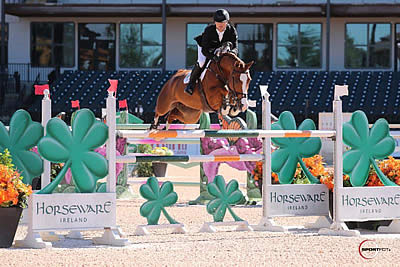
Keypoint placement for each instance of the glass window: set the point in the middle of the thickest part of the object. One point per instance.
(192, 30)
(397, 47)
(140, 45)
(97, 46)
(299, 45)
(368, 45)
(53, 44)
(255, 43)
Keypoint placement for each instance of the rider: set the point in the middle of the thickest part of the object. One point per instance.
(213, 37)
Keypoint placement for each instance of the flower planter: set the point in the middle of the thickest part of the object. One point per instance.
(160, 169)
(8, 225)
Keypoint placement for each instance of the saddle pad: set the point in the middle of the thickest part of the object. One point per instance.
(187, 77)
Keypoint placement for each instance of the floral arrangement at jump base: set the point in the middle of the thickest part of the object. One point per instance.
(162, 151)
(13, 197)
(160, 168)
(13, 192)
(145, 169)
(390, 167)
(315, 166)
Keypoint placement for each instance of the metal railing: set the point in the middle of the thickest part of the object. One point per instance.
(29, 73)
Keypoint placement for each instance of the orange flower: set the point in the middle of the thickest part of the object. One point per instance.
(13, 192)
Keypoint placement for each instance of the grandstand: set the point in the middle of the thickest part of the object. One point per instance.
(305, 93)
(302, 48)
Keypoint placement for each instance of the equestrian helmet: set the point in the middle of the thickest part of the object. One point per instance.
(221, 15)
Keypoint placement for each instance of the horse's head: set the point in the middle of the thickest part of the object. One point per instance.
(238, 80)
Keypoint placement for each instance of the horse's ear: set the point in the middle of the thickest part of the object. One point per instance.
(248, 65)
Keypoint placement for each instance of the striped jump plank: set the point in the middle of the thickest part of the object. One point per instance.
(162, 126)
(163, 141)
(190, 158)
(158, 135)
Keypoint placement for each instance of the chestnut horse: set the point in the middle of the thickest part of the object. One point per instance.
(224, 89)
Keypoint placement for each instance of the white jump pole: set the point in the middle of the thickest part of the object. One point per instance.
(111, 235)
(266, 223)
(266, 125)
(111, 143)
(45, 178)
(46, 116)
(338, 227)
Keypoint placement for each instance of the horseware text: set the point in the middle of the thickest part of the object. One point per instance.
(41, 208)
(295, 198)
(371, 201)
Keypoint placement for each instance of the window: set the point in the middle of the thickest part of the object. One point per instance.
(397, 47)
(368, 45)
(255, 43)
(96, 46)
(192, 30)
(52, 44)
(140, 45)
(299, 45)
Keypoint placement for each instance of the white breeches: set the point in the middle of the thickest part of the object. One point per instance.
(201, 59)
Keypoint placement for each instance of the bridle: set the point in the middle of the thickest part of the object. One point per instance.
(232, 93)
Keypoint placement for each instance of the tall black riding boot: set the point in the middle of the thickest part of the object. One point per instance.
(194, 76)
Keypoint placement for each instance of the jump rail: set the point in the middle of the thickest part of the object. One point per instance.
(189, 158)
(223, 133)
(164, 141)
(266, 223)
(171, 126)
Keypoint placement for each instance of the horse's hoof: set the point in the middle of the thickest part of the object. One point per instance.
(153, 128)
(225, 111)
(234, 112)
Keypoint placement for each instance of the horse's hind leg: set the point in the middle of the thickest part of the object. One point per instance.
(164, 104)
(174, 114)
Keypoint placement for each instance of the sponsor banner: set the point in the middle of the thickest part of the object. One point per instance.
(369, 203)
(298, 200)
(73, 211)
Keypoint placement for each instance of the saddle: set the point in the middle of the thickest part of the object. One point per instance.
(203, 73)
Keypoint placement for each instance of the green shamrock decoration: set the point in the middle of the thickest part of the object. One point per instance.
(21, 137)
(224, 197)
(75, 149)
(292, 150)
(158, 198)
(366, 146)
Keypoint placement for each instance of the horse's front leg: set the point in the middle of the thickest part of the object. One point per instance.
(155, 124)
(225, 108)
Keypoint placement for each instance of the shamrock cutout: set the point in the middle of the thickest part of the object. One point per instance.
(224, 197)
(21, 137)
(292, 150)
(158, 198)
(75, 149)
(366, 146)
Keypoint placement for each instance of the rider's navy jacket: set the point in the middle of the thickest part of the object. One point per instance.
(209, 40)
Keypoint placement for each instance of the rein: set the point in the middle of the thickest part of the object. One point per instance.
(222, 79)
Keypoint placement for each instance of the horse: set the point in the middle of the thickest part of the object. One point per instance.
(223, 89)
